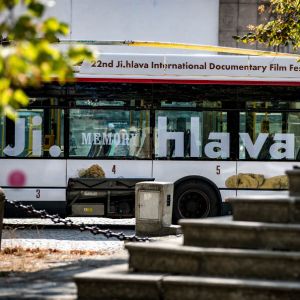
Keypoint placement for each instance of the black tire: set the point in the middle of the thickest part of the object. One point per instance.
(194, 199)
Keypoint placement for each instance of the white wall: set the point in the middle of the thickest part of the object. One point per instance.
(183, 21)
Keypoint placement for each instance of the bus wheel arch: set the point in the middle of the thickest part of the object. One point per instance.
(195, 197)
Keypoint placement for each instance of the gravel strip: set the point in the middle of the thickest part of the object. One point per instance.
(61, 239)
(76, 220)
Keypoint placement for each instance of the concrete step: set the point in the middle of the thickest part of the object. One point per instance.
(195, 288)
(214, 262)
(117, 283)
(224, 233)
(266, 209)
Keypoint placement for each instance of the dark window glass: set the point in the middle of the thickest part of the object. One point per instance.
(109, 133)
(269, 135)
(97, 102)
(191, 134)
(35, 133)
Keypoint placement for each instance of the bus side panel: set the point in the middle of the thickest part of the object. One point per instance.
(36, 194)
(251, 193)
(216, 171)
(112, 168)
(273, 182)
(227, 193)
(33, 173)
(51, 200)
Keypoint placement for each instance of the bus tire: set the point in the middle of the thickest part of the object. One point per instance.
(194, 199)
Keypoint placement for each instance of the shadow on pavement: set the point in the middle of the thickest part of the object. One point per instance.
(58, 234)
(54, 283)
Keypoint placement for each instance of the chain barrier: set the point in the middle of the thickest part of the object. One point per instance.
(56, 219)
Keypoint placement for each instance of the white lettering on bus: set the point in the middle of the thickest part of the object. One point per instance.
(253, 149)
(107, 138)
(86, 138)
(282, 142)
(282, 145)
(37, 137)
(285, 142)
(97, 138)
(195, 137)
(164, 136)
(19, 139)
(36, 142)
(19, 144)
(218, 149)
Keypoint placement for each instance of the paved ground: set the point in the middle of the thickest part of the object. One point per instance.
(77, 220)
(56, 282)
(61, 239)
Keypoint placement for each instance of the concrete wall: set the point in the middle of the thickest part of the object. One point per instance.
(235, 16)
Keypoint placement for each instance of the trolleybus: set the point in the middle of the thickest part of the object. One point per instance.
(215, 126)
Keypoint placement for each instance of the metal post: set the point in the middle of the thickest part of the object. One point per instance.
(2, 203)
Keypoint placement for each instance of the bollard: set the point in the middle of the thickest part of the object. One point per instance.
(2, 203)
(294, 181)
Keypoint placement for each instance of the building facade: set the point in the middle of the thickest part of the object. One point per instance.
(211, 22)
(234, 18)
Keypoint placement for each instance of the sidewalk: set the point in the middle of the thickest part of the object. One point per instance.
(53, 283)
(60, 239)
(56, 281)
(77, 220)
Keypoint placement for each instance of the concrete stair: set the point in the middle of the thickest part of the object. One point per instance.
(225, 233)
(247, 256)
(214, 262)
(268, 209)
(117, 282)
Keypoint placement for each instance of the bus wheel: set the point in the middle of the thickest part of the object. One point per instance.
(194, 199)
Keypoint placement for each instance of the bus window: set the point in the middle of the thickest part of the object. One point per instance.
(191, 134)
(293, 127)
(35, 133)
(96, 103)
(269, 135)
(109, 133)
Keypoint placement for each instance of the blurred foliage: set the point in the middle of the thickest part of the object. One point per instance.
(283, 28)
(28, 57)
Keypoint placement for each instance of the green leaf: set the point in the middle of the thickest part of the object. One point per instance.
(10, 112)
(51, 24)
(31, 59)
(5, 96)
(21, 97)
(64, 29)
(4, 84)
(36, 8)
(10, 4)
